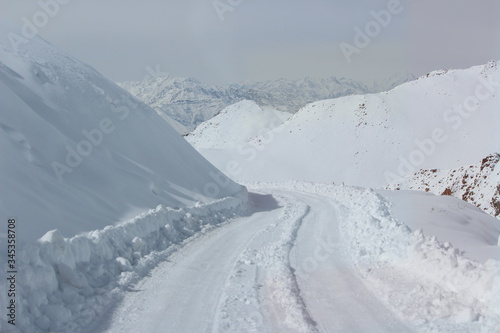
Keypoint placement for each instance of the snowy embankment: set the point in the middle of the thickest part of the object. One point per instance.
(429, 282)
(79, 153)
(69, 282)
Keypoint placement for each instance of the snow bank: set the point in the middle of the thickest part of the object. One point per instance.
(80, 153)
(430, 283)
(449, 219)
(427, 281)
(478, 184)
(64, 284)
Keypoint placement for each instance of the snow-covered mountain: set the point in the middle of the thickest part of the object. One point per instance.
(478, 184)
(443, 120)
(190, 102)
(187, 101)
(79, 153)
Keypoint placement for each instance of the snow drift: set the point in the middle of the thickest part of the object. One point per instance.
(79, 153)
(80, 158)
(478, 184)
(66, 284)
(430, 282)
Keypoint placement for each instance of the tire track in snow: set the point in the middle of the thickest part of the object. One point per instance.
(247, 277)
(262, 293)
(336, 297)
(182, 293)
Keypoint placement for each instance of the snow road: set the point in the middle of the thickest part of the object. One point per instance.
(278, 270)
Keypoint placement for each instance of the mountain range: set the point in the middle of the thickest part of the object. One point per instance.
(187, 102)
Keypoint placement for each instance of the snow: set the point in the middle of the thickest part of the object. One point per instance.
(478, 184)
(123, 227)
(236, 125)
(97, 183)
(79, 153)
(426, 280)
(375, 139)
(252, 286)
(190, 102)
(316, 258)
(449, 220)
(66, 283)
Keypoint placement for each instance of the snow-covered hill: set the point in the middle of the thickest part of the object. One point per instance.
(83, 159)
(443, 120)
(190, 102)
(79, 153)
(478, 184)
(236, 125)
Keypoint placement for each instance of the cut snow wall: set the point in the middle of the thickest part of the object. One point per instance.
(64, 284)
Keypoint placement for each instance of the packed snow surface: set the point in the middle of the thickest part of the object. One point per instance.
(293, 257)
(64, 284)
(317, 258)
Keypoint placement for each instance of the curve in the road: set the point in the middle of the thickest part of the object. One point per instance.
(277, 270)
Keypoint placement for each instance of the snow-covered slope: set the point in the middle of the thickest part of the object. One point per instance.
(190, 102)
(478, 184)
(83, 159)
(236, 125)
(442, 120)
(79, 153)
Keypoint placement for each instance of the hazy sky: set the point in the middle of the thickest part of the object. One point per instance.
(266, 39)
